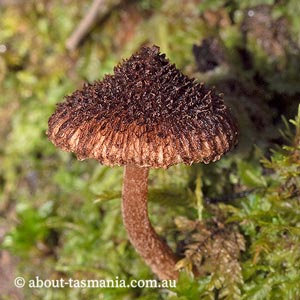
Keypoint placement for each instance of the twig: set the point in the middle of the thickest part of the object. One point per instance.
(98, 9)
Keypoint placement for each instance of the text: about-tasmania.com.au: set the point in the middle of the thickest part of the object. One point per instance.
(37, 282)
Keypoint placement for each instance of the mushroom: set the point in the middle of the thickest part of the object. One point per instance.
(147, 115)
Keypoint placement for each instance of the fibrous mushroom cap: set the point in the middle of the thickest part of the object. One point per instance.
(148, 114)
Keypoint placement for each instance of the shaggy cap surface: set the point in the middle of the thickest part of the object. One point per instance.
(148, 114)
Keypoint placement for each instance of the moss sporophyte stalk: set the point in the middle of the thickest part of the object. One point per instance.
(146, 115)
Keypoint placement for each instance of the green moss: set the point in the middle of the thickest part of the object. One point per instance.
(65, 216)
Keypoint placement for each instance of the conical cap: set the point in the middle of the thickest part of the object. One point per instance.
(148, 114)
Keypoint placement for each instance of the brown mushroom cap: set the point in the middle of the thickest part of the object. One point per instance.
(148, 114)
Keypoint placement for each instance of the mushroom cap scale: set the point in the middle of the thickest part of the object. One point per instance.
(147, 114)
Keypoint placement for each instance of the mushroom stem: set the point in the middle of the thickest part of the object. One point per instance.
(147, 243)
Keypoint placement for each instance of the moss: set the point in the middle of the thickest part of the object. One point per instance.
(64, 215)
